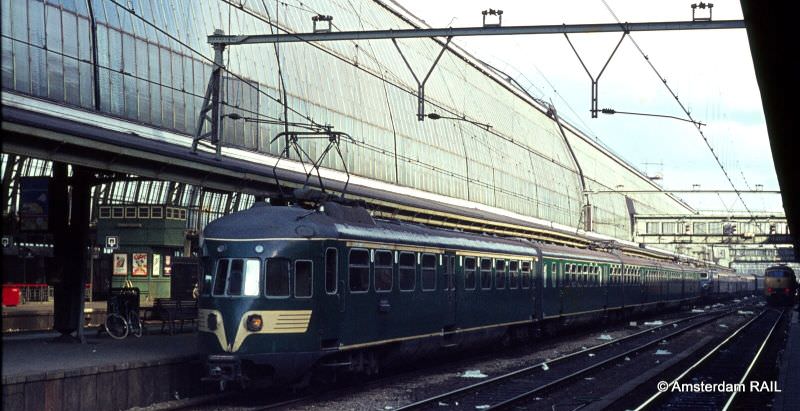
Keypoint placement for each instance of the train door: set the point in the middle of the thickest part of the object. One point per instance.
(449, 288)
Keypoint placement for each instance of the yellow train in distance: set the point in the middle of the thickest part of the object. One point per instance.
(780, 285)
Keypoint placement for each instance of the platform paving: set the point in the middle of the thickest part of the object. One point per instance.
(101, 374)
(25, 357)
(789, 378)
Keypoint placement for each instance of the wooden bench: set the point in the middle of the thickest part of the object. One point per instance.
(169, 311)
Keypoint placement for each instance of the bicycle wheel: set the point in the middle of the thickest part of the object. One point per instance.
(135, 323)
(116, 326)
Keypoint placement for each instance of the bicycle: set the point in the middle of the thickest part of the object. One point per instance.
(119, 326)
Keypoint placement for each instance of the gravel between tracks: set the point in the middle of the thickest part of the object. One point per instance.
(429, 381)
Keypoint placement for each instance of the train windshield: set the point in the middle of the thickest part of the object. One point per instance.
(777, 273)
(237, 277)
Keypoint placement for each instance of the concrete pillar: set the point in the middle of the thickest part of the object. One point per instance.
(70, 217)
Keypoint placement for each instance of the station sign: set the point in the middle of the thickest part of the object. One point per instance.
(112, 242)
(7, 241)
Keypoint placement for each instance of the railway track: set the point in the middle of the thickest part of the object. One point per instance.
(246, 401)
(518, 386)
(729, 362)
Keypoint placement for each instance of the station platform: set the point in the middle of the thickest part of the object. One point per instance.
(103, 374)
(38, 316)
(789, 374)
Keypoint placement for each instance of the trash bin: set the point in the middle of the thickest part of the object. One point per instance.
(11, 296)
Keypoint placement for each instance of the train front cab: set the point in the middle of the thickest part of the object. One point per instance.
(780, 286)
(255, 310)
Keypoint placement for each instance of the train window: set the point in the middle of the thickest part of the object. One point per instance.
(235, 277)
(554, 274)
(469, 273)
(277, 284)
(407, 271)
(331, 270)
(486, 273)
(105, 212)
(499, 274)
(234, 274)
(428, 272)
(208, 276)
(513, 274)
(221, 278)
(526, 274)
(252, 275)
(384, 270)
(359, 270)
(303, 270)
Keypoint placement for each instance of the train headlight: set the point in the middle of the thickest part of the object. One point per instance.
(211, 322)
(254, 323)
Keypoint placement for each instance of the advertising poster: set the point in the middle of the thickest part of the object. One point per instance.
(156, 265)
(139, 264)
(167, 265)
(33, 203)
(120, 264)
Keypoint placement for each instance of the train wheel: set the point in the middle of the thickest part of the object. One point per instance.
(116, 326)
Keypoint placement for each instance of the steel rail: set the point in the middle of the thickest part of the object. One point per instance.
(505, 377)
(755, 360)
(708, 355)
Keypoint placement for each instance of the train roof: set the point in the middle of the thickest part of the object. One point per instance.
(334, 221)
(551, 250)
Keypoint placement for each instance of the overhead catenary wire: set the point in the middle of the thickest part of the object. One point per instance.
(685, 110)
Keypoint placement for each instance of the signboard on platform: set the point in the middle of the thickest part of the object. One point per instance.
(139, 264)
(120, 264)
(33, 201)
(112, 241)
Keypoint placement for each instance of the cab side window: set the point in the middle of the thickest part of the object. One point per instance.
(303, 270)
(277, 277)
